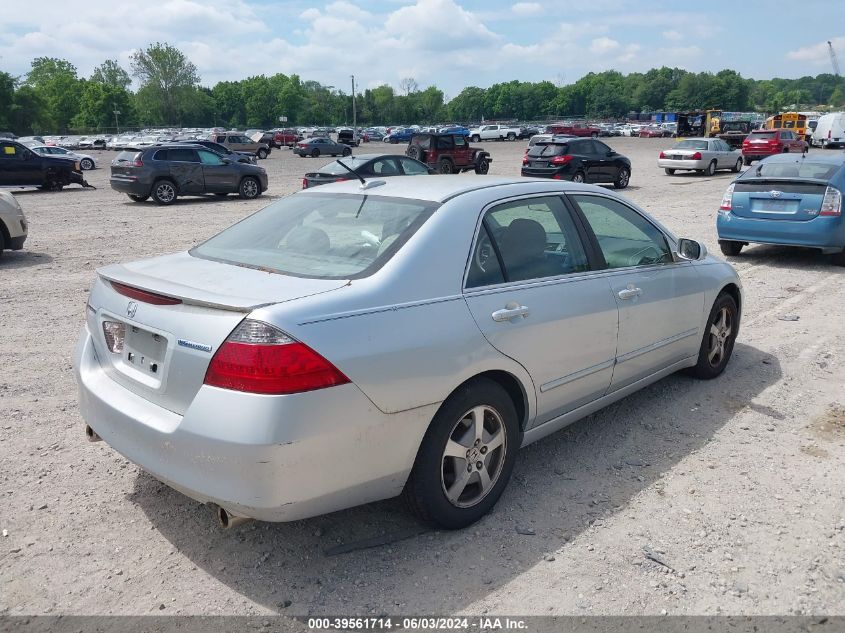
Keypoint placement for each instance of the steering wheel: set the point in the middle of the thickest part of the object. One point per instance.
(483, 252)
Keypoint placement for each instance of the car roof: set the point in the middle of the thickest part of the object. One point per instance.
(695, 138)
(835, 158)
(441, 188)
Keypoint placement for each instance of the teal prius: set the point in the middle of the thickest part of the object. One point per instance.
(789, 200)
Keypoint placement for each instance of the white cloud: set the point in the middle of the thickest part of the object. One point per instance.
(527, 8)
(673, 36)
(817, 54)
(603, 45)
(630, 53)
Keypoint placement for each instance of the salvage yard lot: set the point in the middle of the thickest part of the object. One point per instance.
(687, 497)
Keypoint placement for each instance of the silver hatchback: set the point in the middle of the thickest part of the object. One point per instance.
(404, 336)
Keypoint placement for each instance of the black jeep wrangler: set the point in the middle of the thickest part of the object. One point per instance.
(448, 153)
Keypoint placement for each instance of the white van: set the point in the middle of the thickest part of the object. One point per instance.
(830, 131)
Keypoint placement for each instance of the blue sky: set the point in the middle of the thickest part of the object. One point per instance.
(448, 43)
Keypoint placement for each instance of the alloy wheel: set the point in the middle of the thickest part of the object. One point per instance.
(165, 192)
(720, 333)
(473, 457)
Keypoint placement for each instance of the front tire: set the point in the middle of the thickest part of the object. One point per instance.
(736, 168)
(249, 188)
(315, 153)
(482, 167)
(164, 192)
(730, 248)
(262, 153)
(445, 166)
(347, 152)
(86, 164)
(622, 178)
(718, 341)
(466, 457)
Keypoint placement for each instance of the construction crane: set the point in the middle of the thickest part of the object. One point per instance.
(833, 58)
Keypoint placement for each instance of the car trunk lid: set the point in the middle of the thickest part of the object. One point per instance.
(174, 313)
(778, 199)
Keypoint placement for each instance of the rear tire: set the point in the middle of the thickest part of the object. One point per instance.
(164, 192)
(476, 425)
(475, 138)
(511, 136)
(347, 152)
(623, 177)
(445, 166)
(718, 341)
(135, 198)
(578, 176)
(669, 171)
(482, 166)
(249, 188)
(315, 153)
(730, 248)
(711, 168)
(262, 153)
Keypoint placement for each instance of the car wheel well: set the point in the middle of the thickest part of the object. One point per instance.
(5, 237)
(512, 386)
(734, 292)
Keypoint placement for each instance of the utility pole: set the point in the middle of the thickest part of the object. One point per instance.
(354, 117)
(116, 112)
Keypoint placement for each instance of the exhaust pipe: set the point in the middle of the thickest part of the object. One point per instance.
(227, 520)
(91, 434)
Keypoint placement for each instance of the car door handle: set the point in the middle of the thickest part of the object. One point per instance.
(630, 292)
(510, 312)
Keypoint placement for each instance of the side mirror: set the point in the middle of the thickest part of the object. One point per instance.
(611, 153)
(690, 250)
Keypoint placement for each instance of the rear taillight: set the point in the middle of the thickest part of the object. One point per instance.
(832, 202)
(561, 160)
(115, 333)
(695, 156)
(305, 183)
(662, 155)
(144, 295)
(727, 199)
(525, 160)
(137, 163)
(259, 358)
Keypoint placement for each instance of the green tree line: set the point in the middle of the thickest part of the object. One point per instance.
(53, 98)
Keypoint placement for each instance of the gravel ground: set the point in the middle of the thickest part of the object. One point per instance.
(687, 497)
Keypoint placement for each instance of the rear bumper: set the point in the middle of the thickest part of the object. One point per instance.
(825, 233)
(273, 458)
(560, 173)
(667, 163)
(134, 187)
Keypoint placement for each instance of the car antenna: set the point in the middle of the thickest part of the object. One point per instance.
(352, 171)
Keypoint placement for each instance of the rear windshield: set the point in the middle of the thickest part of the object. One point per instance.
(763, 134)
(336, 168)
(321, 236)
(690, 145)
(127, 156)
(548, 149)
(803, 169)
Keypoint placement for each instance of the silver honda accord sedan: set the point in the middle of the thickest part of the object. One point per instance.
(358, 341)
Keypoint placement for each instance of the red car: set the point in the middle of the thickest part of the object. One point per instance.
(654, 132)
(761, 143)
(578, 128)
(288, 137)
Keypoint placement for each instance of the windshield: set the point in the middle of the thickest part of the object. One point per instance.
(322, 236)
(548, 149)
(803, 169)
(690, 145)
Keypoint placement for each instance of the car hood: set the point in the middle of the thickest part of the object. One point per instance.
(215, 284)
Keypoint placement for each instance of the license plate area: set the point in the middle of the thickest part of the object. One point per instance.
(539, 163)
(144, 356)
(764, 205)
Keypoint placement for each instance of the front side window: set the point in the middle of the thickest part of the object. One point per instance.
(625, 237)
(321, 236)
(209, 158)
(526, 239)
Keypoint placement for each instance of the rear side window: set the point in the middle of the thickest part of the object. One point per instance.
(185, 155)
(445, 142)
(322, 236)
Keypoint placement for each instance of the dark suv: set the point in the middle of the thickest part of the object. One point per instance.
(171, 170)
(578, 160)
(448, 153)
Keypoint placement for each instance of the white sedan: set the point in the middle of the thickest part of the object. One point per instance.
(704, 155)
(86, 161)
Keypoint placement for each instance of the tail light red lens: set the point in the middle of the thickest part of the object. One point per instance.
(696, 156)
(525, 160)
(662, 155)
(305, 183)
(137, 163)
(561, 160)
(727, 199)
(832, 202)
(144, 295)
(258, 358)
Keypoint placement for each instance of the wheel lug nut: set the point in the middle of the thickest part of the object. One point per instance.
(479, 465)
(477, 442)
(483, 450)
(469, 468)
